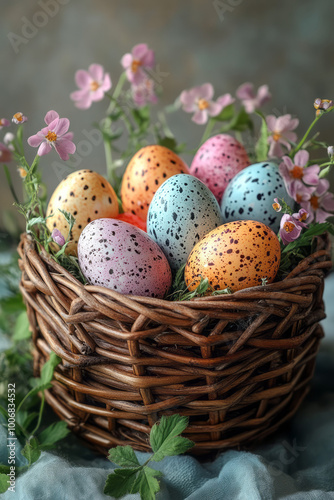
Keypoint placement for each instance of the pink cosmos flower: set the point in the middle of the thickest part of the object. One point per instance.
(299, 191)
(93, 84)
(54, 134)
(281, 133)
(301, 217)
(135, 64)
(250, 100)
(4, 123)
(144, 93)
(5, 154)
(277, 206)
(19, 118)
(290, 229)
(321, 203)
(58, 237)
(198, 100)
(295, 171)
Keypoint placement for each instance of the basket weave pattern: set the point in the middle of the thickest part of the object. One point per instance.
(237, 365)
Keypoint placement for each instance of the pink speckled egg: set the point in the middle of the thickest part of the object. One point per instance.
(217, 161)
(122, 257)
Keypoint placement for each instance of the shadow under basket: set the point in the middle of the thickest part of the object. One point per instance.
(237, 365)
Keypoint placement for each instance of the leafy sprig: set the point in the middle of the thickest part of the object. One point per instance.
(133, 477)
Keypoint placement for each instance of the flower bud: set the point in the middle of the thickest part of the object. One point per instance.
(330, 152)
(58, 237)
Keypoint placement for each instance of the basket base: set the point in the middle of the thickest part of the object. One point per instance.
(95, 430)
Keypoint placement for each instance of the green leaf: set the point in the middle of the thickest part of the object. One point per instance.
(31, 451)
(4, 484)
(168, 142)
(226, 114)
(261, 148)
(36, 220)
(165, 440)
(44, 382)
(241, 122)
(146, 483)
(13, 304)
(123, 456)
(49, 367)
(52, 434)
(25, 418)
(120, 482)
(21, 329)
(141, 115)
(68, 217)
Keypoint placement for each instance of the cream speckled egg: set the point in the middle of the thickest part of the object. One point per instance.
(87, 196)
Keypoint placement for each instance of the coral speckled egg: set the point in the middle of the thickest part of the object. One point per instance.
(182, 211)
(120, 256)
(87, 196)
(236, 255)
(251, 193)
(147, 170)
(217, 161)
(132, 219)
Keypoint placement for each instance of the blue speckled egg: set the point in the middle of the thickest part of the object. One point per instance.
(182, 211)
(122, 257)
(250, 195)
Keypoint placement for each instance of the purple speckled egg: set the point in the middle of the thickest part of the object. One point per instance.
(217, 161)
(122, 257)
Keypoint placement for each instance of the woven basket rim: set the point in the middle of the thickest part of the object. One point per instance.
(323, 254)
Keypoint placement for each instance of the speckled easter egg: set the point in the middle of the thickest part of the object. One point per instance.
(87, 196)
(217, 161)
(236, 255)
(122, 257)
(147, 170)
(182, 211)
(251, 193)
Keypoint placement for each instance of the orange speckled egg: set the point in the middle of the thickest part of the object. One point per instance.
(87, 196)
(147, 170)
(235, 255)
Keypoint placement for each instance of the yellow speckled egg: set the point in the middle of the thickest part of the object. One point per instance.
(87, 196)
(147, 170)
(235, 255)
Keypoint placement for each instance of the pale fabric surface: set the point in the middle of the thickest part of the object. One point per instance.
(297, 464)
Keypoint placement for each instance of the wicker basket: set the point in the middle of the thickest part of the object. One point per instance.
(237, 365)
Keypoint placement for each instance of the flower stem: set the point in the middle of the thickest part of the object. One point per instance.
(110, 166)
(208, 130)
(116, 93)
(10, 184)
(40, 414)
(300, 144)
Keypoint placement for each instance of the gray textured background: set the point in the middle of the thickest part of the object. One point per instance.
(287, 44)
